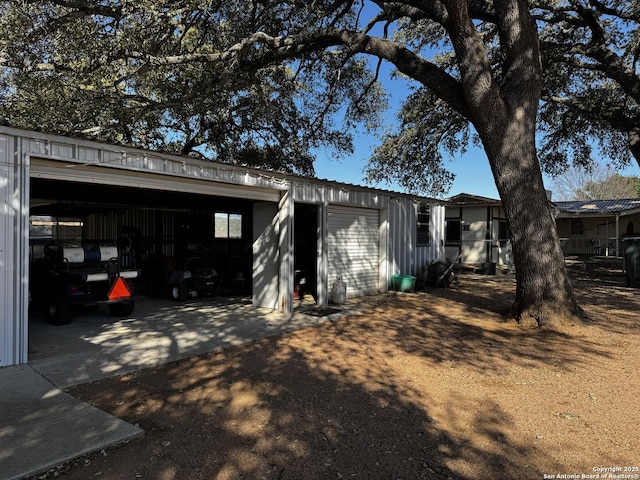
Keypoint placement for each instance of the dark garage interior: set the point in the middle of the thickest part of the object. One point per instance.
(158, 233)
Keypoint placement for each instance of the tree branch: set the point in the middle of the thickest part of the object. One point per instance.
(522, 66)
(616, 118)
(247, 54)
(480, 90)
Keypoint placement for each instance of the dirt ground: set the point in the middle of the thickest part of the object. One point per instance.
(436, 385)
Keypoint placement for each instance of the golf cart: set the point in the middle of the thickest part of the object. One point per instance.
(72, 277)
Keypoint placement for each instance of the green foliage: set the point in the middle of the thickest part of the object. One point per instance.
(129, 72)
(592, 89)
(277, 80)
(412, 156)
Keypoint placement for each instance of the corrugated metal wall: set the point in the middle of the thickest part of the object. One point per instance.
(329, 193)
(402, 236)
(399, 252)
(14, 253)
(406, 257)
(108, 226)
(436, 249)
(86, 152)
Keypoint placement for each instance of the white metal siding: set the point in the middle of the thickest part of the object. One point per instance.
(107, 174)
(405, 256)
(364, 241)
(14, 257)
(435, 250)
(402, 236)
(265, 276)
(354, 249)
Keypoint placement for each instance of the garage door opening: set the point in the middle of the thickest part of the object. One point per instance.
(181, 246)
(306, 252)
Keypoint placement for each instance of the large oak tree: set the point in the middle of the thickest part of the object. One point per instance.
(272, 74)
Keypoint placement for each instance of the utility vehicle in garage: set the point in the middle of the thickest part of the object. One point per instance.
(70, 277)
(194, 280)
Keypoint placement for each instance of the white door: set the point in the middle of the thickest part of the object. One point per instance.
(265, 279)
(353, 248)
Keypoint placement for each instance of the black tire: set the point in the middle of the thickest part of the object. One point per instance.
(179, 292)
(122, 309)
(60, 312)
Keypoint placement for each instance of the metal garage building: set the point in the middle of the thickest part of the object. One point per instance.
(286, 222)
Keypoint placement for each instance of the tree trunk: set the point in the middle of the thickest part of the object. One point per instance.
(504, 113)
(544, 293)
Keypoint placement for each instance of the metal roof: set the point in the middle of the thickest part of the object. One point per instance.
(595, 207)
(201, 162)
(469, 199)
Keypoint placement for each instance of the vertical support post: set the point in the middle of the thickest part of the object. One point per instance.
(287, 274)
(618, 235)
(322, 256)
(489, 238)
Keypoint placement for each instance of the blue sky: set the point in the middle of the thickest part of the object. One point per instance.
(472, 171)
(473, 174)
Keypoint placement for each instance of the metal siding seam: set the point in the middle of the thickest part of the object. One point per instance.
(22, 262)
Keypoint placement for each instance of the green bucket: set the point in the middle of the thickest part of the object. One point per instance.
(403, 283)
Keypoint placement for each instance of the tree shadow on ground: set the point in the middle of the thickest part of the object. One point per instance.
(279, 410)
(611, 307)
(462, 327)
(353, 398)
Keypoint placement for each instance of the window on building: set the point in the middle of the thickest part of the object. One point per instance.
(503, 232)
(228, 225)
(453, 230)
(577, 226)
(424, 234)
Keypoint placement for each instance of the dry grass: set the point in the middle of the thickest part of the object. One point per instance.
(427, 385)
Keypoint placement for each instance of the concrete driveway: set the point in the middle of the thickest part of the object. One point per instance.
(97, 345)
(41, 426)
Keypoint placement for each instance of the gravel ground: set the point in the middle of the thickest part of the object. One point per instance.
(437, 384)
